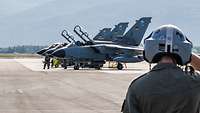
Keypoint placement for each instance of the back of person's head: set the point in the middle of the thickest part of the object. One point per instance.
(167, 41)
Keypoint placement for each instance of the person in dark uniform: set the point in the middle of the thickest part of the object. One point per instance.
(166, 88)
(52, 63)
(47, 62)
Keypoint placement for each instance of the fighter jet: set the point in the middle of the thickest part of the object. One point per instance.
(109, 35)
(132, 37)
(95, 54)
(104, 35)
(70, 39)
(41, 52)
(106, 32)
(53, 47)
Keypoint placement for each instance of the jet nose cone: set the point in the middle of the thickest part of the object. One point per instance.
(49, 52)
(41, 52)
(59, 53)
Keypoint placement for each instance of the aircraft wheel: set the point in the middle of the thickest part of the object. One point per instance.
(76, 67)
(56, 66)
(65, 67)
(120, 66)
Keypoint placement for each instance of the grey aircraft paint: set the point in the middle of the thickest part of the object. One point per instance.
(109, 34)
(135, 34)
(108, 51)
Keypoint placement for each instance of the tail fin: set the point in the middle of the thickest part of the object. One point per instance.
(119, 30)
(103, 35)
(107, 35)
(135, 34)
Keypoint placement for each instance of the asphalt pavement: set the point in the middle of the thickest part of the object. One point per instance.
(26, 88)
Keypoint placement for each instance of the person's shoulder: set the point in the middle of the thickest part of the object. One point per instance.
(194, 79)
(195, 75)
(139, 78)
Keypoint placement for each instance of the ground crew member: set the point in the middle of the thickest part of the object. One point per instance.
(166, 88)
(56, 62)
(47, 62)
(52, 63)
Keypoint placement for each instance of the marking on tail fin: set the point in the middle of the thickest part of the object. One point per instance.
(135, 34)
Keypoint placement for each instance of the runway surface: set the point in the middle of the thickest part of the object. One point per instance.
(26, 88)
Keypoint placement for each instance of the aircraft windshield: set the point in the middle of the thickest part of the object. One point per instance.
(70, 44)
(61, 45)
(54, 45)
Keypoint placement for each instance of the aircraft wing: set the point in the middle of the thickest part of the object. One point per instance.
(120, 53)
(118, 49)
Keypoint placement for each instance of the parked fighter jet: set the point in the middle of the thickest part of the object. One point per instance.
(118, 31)
(68, 37)
(106, 36)
(106, 32)
(132, 37)
(53, 47)
(41, 52)
(95, 54)
(103, 33)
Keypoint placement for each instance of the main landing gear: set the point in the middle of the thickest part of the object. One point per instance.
(120, 66)
(76, 67)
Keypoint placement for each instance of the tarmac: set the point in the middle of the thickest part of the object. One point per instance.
(26, 88)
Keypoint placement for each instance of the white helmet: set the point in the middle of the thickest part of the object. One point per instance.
(167, 40)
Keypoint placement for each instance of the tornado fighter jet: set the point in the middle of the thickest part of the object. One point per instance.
(109, 35)
(68, 37)
(95, 54)
(104, 35)
(50, 49)
(41, 52)
(131, 38)
(53, 47)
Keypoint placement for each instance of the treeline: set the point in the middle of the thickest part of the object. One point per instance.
(22, 49)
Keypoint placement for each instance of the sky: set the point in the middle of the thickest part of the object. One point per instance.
(39, 22)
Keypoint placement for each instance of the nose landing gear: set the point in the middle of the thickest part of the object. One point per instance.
(120, 66)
